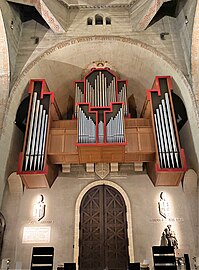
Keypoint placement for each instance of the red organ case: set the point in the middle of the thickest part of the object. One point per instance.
(101, 131)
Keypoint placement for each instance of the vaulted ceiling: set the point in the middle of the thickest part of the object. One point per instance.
(140, 11)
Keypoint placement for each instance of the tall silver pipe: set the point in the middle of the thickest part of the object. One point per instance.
(38, 135)
(158, 139)
(41, 139)
(114, 89)
(173, 139)
(32, 150)
(44, 142)
(79, 125)
(125, 100)
(30, 130)
(86, 90)
(105, 92)
(103, 97)
(164, 135)
(168, 133)
(161, 137)
(98, 92)
(95, 93)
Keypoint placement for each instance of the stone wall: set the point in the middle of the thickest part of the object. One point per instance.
(120, 26)
(61, 216)
(185, 20)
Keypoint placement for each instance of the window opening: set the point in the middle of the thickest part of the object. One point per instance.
(98, 19)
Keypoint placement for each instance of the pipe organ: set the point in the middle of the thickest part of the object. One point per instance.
(101, 101)
(33, 158)
(170, 156)
(101, 130)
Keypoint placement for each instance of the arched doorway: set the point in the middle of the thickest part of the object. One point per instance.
(103, 242)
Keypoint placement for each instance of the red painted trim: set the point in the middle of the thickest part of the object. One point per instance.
(43, 92)
(45, 171)
(149, 91)
(77, 81)
(19, 165)
(184, 162)
(100, 69)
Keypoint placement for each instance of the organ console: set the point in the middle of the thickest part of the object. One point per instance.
(101, 130)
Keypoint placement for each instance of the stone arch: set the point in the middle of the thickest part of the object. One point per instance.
(4, 68)
(128, 214)
(195, 55)
(104, 48)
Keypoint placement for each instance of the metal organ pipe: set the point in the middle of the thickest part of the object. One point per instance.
(173, 139)
(86, 128)
(164, 135)
(100, 91)
(27, 156)
(167, 145)
(100, 132)
(32, 151)
(115, 128)
(161, 137)
(41, 139)
(168, 132)
(44, 142)
(158, 139)
(38, 136)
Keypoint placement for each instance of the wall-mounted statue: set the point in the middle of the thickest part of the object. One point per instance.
(39, 208)
(163, 206)
(168, 237)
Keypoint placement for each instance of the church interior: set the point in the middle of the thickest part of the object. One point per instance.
(99, 132)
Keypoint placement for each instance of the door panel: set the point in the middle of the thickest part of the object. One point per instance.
(103, 230)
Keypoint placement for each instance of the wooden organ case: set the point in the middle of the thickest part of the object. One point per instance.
(33, 166)
(170, 164)
(101, 131)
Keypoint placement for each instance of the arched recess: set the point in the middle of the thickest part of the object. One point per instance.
(136, 61)
(4, 68)
(98, 19)
(128, 214)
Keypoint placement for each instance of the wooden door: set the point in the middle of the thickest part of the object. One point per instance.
(103, 230)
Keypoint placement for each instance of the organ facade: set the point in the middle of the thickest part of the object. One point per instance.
(101, 131)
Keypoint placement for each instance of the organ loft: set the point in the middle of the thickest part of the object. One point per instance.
(102, 132)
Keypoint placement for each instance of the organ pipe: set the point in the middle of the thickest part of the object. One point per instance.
(100, 88)
(166, 140)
